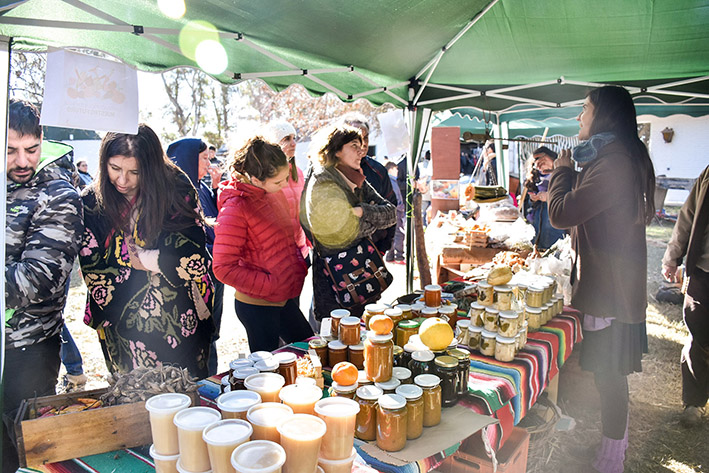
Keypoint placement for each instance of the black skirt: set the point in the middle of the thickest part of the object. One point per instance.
(617, 348)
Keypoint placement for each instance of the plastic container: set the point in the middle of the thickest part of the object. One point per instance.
(164, 463)
(301, 397)
(391, 422)
(181, 469)
(268, 385)
(265, 418)
(222, 438)
(340, 415)
(301, 436)
(162, 409)
(258, 456)
(190, 423)
(235, 404)
(338, 466)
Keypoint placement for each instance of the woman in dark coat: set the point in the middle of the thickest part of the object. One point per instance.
(607, 206)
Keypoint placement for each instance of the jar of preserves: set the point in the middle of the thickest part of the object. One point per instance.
(409, 350)
(463, 357)
(414, 409)
(502, 297)
(504, 348)
(523, 333)
(349, 330)
(370, 310)
(238, 364)
(461, 331)
(225, 383)
(336, 317)
(474, 336)
(487, 343)
(398, 356)
(490, 319)
(267, 366)
(362, 379)
(391, 422)
(404, 330)
(446, 368)
(343, 390)
(476, 314)
(402, 374)
(534, 317)
(431, 386)
(448, 313)
(395, 314)
(287, 366)
(429, 312)
(260, 355)
(432, 295)
(237, 380)
(421, 362)
(406, 312)
(336, 352)
(378, 356)
(485, 293)
(534, 297)
(320, 346)
(548, 290)
(559, 303)
(355, 355)
(366, 423)
(389, 386)
(416, 309)
(508, 323)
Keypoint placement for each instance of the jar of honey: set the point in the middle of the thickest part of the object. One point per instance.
(414, 409)
(395, 314)
(336, 352)
(404, 330)
(430, 384)
(320, 346)
(416, 309)
(287, 366)
(267, 365)
(485, 293)
(370, 310)
(487, 343)
(421, 362)
(378, 356)
(349, 330)
(432, 295)
(335, 317)
(366, 423)
(391, 422)
(446, 368)
(355, 354)
(406, 312)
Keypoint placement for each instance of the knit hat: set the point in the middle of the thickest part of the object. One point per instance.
(276, 131)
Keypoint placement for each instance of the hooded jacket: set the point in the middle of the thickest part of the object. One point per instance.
(254, 248)
(44, 224)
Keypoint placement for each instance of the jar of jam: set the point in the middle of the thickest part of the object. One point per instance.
(490, 319)
(378, 356)
(432, 295)
(366, 423)
(508, 323)
(287, 366)
(487, 343)
(342, 390)
(416, 309)
(238, 364)
(502, 297)
(448, 313)
(336, 317)
(421, 362)
(463, 357)
(476, 314)
(409, 349)
(406, 312)
(402, 374)
(414, 408)
(267, 366)
(446, 368)
(474, 337)
(395, 314)
(429, 312)
(362, 379)
(355, 353)
(404, 330)
(389, 386)
(485, 293)
(370, 310)
(391, 422)
(336, 352)
(461, 331)
(237, 381)
(504, 348)
(534, 297)
(431, 386)
(320, 347)
(349, 330)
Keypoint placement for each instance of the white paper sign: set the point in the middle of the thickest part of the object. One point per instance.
(396, 134)
(90, 93)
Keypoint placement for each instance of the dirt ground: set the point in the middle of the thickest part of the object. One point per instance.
(657, 442)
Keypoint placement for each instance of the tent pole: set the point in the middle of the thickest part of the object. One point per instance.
(4, 100)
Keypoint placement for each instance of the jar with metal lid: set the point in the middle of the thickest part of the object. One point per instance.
(349, 330)
(534, 317)
(448, 313)
(267, 366)
(336, 317)
(535, 295)
(378, 356)
(366, 423)
(461, 331)
(336, 352)
(343, 390)
(502, 297)
(429, 312)
(395, 314)
(474, 337)
(414, 408)
(490, 319)
(485, 293)
(416, 309)
(355, 355)
(404, 330)
(287, 366)
(391, 422)
(402, 374)
(446, 368)
(389, 386)
(225, 383)
(320, 347)
(487, 343)
(463, 357)
(476, 314)
(421, 362)
(504, 348)
(431, 386)
(406, 312)
(237, 380)
(508, 323)
(238, 364)
(432, 295)
(398, 356)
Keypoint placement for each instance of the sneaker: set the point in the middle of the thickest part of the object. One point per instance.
(691, 416)
(74, 382)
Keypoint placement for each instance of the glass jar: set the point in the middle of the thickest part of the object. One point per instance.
(260, 355)
(409, 350)
(366, 423)
(432, 295)
(267, 366)
(402, 374)
(487, 343)
(237, 380)
(398, 356)
(225, 383)
(490, 319)
(378, 356)
(370, 310)
(389, 386)
(362, 379)
(554, 305)
(421, 362)
(349, 330)
(406, 312)
(336, 317)
(534, 317)
(343, 390)
(429, 312)
(395, 314)
(446, 368)
(485, 293)
(416, 309)
(355, 354)
(431, 386)
(391, 422)
(504, 348)
(502, 297)
(336, 352)
(507, 325)
(238, 364)
(404, 330)
(535, 294)
(476, 313)
(474, 336)
(319, 345)
(560, 303)
(414, 408)
(448, 313)
(518, 342)
(287, 366)
(461, 331)
(520, 291)
(548, 290)
(463, 357)
(549, 307)
(523, 333)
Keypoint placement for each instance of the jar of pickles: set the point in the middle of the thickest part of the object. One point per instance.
(446, 368)
(335, 317)
(389, 386)
(476, 314)
(349, 330)
(336, 352)
(474, 336)
(355, 354)
(535, 296)
(378, 356)
(448, 313)
(432, 295)
(406, 312)
(366, 422)
(502, 296)
(391, 422)
(461, 331)
(395, 314)
(402, 374)
(421, 362)
(404, 330)
(508, 323)
(414, 409)
(485, 293)
(320, 347)
(463, 357)
(490, 319)
(343, 390)
(431, 386)
(534, 317)
(487, 343)
(504, 348)
(549, 314)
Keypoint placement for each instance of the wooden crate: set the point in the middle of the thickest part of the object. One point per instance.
(77, 434)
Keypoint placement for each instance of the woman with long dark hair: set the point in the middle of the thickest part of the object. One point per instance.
(144, 259)
(607, 206)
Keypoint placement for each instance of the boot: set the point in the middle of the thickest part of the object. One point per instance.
(611, 455)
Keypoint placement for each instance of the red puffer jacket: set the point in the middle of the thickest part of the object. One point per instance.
(293, 191)
(254, 248)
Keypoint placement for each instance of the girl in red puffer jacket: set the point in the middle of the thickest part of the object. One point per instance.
(255, 250)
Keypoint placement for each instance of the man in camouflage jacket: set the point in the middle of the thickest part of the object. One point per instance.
(43, 230)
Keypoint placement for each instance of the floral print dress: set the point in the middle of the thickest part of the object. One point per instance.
(146, 318)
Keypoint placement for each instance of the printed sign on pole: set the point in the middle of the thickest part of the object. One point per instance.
(396, 135)
(89, 93)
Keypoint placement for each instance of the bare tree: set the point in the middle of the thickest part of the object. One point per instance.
(27, 72)
(189, 91)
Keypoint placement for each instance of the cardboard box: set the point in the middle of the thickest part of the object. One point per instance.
(62, 437)
(471, 457)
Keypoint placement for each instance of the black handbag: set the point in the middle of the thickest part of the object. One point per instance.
(358, 274)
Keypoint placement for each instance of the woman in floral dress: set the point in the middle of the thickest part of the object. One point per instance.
(144, 259)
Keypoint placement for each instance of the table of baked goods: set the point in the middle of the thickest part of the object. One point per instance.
(500, 392)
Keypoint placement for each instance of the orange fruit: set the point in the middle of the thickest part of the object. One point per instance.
(345, 373)
(381, 324)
